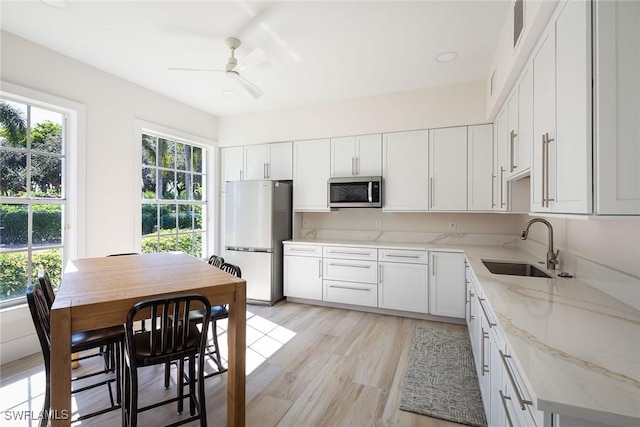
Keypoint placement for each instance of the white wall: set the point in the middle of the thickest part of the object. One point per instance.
(112, 105)
(454, 105)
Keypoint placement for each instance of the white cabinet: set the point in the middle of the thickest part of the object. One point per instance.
(447, 284)
(356, 155)
(268, 161)
(562, 154)
(403, 280)
(500, 162)
(350, 275)
(232, 161)
(311, 168)
(303, 271)
(520, 126)
(448, 169)
(404, 171)
(512, 131)
(480, 192)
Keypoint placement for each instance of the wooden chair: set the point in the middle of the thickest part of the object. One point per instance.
(170, 337)
(218, 312)
(216, 260)
(80, 341)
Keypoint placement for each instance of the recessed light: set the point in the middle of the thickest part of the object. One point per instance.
(230, 93)
(447, 56)
(58, 4)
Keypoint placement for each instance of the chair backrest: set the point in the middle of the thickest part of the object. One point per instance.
(40, 314)
(216, 260)
(169, 334)
(47, 287)
(231, 269)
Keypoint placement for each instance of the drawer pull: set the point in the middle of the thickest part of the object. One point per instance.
(521, 401)
(402, 256)
(351, 288)
(506, 409)
(349, 253)
(491, 324)
(302, 250)
(335, 264)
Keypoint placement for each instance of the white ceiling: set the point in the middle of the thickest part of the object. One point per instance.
(319, 51)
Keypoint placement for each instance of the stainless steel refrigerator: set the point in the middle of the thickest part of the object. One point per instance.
(257, 220)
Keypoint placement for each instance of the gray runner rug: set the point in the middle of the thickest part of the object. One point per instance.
(441, 379)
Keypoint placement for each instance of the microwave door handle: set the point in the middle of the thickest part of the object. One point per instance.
(370, 191)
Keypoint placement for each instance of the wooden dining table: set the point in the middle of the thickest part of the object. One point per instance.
(97, 293)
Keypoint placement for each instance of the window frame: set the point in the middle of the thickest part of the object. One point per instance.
(73, 221)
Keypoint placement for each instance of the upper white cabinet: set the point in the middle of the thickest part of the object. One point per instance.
(356, 155)
(562, 138)
(480, 168)
(616, 106)
(520, 126)
(232, 164)
(311, 169)
(404, 171)
(268, 161)
(448, 169)
(447, 284)
(500, 162)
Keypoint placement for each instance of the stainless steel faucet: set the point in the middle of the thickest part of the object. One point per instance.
(552, 257)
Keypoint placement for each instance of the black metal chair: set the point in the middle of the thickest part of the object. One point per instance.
(216, 260)
(218, 312)
(170, 337)
(80, 341)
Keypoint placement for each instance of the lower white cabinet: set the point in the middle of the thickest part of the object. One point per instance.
(350, 293)
(303, 271)
(403, 281)
(447, 284)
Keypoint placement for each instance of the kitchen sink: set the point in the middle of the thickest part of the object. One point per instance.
(514, 269)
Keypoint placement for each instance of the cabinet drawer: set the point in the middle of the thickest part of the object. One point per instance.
(404, 256)
(303, 250)
(346, 252)
(350, 293)
(351, 270)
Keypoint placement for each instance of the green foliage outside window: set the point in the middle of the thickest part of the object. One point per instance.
(13, 268)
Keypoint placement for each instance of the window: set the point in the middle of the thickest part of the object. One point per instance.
(32, 196)
(173, 195)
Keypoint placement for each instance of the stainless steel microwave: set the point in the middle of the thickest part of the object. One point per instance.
(355, 192)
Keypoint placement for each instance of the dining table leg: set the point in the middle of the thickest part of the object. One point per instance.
(236, 380)
(60, 411)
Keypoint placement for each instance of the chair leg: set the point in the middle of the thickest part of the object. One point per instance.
(192, 381)
(134, 398)
(180, 385)
(119, 356)
(167, 374)
(47, 399)
(126, 406)
(218, 358)
(202, 409)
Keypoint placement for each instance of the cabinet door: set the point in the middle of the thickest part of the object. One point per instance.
(403, 287)
(447, 284)
(404, 171)
(448, 169)
(232, 164)
(343, 156)
(311, 167)
(573, 152)
(500, 153)
(480, 162)
(512, 133)
(303, 277)
(256, 159)
(369, 155)
(525, 122)
(280, 163)
(499, 396)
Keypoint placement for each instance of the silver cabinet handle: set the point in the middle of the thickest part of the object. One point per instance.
(544, 168)
(493, 191)
(241, 173)
(268, 170)
(357, 165)
(348, 252)
(301, 250)
(471, 295)
(506, 409)
(351, 288)
(380, 274)
(502, 203)
(353, 167)
(430, 192)
(521, 401)
(401, 256)
(512, 145)
(548, 199)
(491, 324)
(484, 366)
(320, 268)
(335, 264)
(264, 170)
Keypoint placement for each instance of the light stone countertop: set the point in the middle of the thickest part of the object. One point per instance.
(578, 347)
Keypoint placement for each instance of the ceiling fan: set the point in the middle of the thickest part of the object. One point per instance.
(255, 58)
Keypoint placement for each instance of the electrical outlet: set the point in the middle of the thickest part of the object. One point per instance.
(305, 223)
(378, 224)
(453, 225)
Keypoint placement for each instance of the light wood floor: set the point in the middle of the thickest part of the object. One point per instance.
(307, 366)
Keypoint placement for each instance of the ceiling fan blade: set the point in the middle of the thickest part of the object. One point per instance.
(256, 57)
(254, 90)
(191, 69)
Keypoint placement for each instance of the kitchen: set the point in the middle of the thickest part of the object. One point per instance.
(612, 243)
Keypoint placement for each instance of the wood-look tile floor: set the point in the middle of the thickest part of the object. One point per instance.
(306, 366)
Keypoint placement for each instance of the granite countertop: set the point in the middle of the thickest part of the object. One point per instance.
(578, 347)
